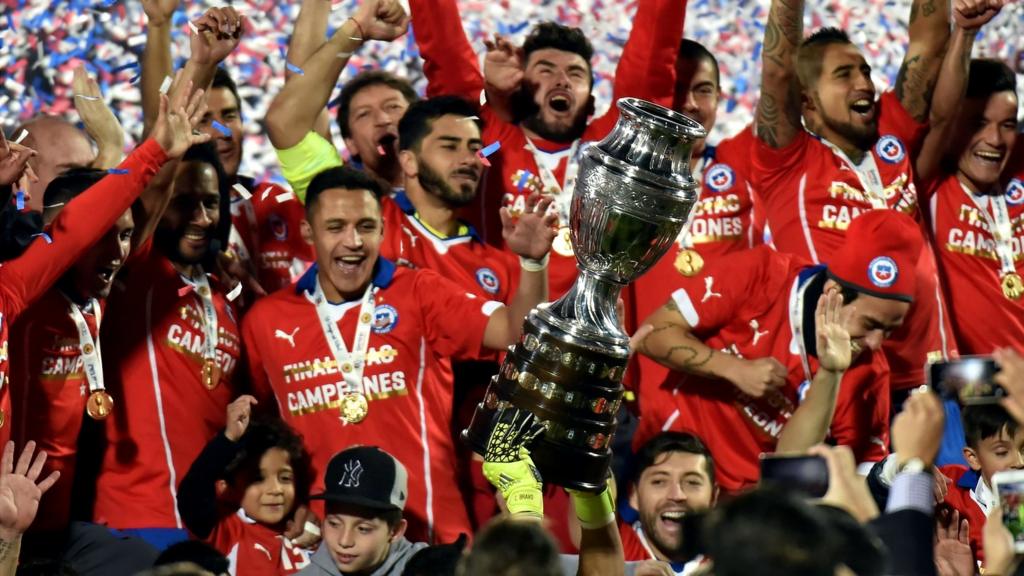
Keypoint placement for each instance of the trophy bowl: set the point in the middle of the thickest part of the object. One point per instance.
(633, 195)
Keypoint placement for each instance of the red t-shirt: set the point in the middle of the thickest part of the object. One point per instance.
(723, 222)
(254, 549)
(421, 320)
(75, 229)
(961, 496)
(810, 196)
(983, 319)
(749, 316)
(271, 234)
(163, 414)
(646, 70)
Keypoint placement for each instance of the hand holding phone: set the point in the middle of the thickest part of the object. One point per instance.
(1009, 486)
(967, 380)
(807, 475)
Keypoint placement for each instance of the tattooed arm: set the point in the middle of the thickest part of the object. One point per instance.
(929, 32)
(778, 111)
(672, 344)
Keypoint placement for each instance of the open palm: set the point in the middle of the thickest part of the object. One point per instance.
(19, 492)
(830, 320)
(530, 234)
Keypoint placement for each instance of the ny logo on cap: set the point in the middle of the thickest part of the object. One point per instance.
(351, 473)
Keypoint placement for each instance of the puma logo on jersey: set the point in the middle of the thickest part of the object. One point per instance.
(290, 337)
(263, 549)
(709, 293)
(757, 333)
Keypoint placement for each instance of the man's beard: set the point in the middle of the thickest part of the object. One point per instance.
(434, 183)
(169, 243)
(863, 137)
(669, 549)
(526, 112)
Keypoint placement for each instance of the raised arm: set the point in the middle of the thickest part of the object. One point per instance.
(308, 35)
(449, 61)
(968, 16)
(156, 57)
(295, 109)
(529, 236)
(777, 120)
(929, 33)
(99, 120)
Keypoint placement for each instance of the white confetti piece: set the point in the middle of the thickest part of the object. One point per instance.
(166, 85)
(284, 197)
(242, 191)
(235, 292)
(21, 137)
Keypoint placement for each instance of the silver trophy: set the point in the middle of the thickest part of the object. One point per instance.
(633, 196)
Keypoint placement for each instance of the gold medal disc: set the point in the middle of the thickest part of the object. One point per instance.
(99, 405)
(689, 263)
(354, 408)
(562, 244)
(1013, 287)
(210, 374)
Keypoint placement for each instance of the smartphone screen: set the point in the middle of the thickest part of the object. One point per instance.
(967, 380)
(1011, 499)
(807, 475)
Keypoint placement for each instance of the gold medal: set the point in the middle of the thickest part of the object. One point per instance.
(689, 263)
(354, 408)
(210, 374)
(99, 405)
(1013, 287)
(562, 244)
(365, 318)
(87, 349)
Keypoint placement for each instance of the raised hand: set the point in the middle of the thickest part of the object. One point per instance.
(99, 120)
(381, 19)
(159, 12)
(846, 488)
(217, 34)
(175, 126)
(14, 161)
(19, 491)
(835, 351)
(503, 65)
(953, 556)
(756, 378)
(530, 235)
(917, 430)
(973, 14)
(239, 415)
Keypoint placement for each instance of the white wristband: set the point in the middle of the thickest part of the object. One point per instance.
(531, 265)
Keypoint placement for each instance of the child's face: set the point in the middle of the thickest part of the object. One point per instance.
(997, 453)
(358, 543)
(270, 497)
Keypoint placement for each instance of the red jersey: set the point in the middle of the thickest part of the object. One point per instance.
(965, 248)
(421, 320)
(254, 549)
(810, 195)
(724, 221)
(965, 495)
(646, 70)
(269, 233)
(163, 414)
(75, 229)
(752, 315)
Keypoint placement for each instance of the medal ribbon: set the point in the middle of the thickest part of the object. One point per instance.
(796, 322)
(1000, 228)
(342, 357)
(209, 316)
(563, 194)
(92, 361)
(867, 173)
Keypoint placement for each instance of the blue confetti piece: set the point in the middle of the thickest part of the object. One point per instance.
(117, 171)
(523, 180)
(19, 201)
(222, 129)
(45, 237)
(294, 69)
(134, 79)
(124, 67)
(490, 149)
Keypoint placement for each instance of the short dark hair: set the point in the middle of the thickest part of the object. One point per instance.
(436, 560)
(848, 293)
(341, 177)
(859, 548)
(510, 547)
(68, 185)
(365, 80)
(671, 441)
(391, 517)
(811, 53)
(988, 77)
(559, 37)
(983, 421)
(770, 532)
(222, 79)
(693, 50)
(261, 436)
(418, 120)
(197, 552)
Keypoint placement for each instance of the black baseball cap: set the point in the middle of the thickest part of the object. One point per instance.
(366, 476)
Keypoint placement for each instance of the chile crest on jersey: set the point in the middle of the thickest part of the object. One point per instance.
(891, 149)
(1015, 192)
(278, 227)
(385, 318)
(720, 177)
(488, 280)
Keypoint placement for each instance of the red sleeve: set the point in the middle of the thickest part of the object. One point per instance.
(226, 534)
(894, 119)
(449, 62)
(770, 166)
(647, 67)
(78, 226)
(861, 420)
(453, 319)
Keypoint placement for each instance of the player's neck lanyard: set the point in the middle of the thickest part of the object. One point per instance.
(685, 239)
(999, 226)
(796, 321)
(677, 567)
(349, 364)
(867, 173)
(202, 288)
(89, 347)
(563, 194)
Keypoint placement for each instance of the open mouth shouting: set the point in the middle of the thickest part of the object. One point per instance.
(350, 263)
(864, 107)
(560, 101)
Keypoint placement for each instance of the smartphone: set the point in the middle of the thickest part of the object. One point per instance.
(1010, 491)
(807, 475)
(967, 380)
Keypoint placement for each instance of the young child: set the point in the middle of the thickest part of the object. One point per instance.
(994, 443)
(242, 489)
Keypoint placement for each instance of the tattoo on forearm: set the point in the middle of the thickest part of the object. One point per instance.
(8, 548)
(690, 359)
(914, 86)
(768, 120)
